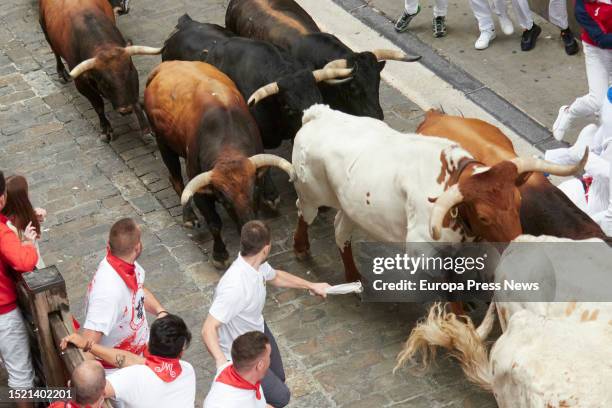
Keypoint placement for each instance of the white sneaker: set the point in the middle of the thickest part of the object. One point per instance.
(562, 123)
(485, 38)
(506, 25)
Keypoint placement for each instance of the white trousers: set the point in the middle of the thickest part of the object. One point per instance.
(557, 13)
(484, 14)
(599, 166)
(598, 62)
(440, 8)
(15, 350)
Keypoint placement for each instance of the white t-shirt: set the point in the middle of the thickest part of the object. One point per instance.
(138, 386)
(225, 396)
(116, 311)
(239, 300)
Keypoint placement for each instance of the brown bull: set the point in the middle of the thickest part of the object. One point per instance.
(197, 113)
(545, 210)
(84, 34)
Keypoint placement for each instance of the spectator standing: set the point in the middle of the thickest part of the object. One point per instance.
(88, 383)
(157, 379)
(116, 297)
(412, 8)
(595, 17)
(19, 257)
(19, 211)
(239, 301)
(484, 16)
(237, 384)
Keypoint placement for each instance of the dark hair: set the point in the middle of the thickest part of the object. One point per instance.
(2, 183)
(169, 336)
(247, 348)
(18, 206)
(88, 380)
(253, 237)
(124, 236)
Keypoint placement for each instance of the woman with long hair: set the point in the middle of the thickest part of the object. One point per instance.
(19, 210)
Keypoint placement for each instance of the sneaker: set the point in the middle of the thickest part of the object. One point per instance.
(562, 123)
(571, 45)
(506, 25)
(529, 37)
(485, 38)
(402, 22)
(439, 26)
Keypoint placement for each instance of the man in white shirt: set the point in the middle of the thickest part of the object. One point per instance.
(238, 304)
(116, 297)
(237, 384)
(159, 379)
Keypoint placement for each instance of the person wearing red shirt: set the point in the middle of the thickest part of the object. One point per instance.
(88, 383)
(15, 257)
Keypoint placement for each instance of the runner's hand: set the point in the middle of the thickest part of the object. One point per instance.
(319, 289)
(74, 338)
(30, 233)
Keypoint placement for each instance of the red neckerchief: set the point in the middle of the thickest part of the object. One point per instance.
(67, 404)
(168, 369)
(230, 376)
(126, 271)
(3, 219)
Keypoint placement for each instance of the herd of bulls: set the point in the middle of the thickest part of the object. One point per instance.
(223, 95)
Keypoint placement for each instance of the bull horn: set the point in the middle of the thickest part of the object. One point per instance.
(142, 50)
(197, 183)
(444, 203)
(339, 63)
(527, 164)
(329, 74)
(262, 93)
(82, 67)
(262, 160)
(383, 54)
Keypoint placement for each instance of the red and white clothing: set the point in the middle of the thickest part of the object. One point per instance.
(115, 305)
(67, 404)
(230, 390)
(160, 382)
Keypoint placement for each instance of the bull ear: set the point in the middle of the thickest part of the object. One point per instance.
(381, 65)
(522, 178)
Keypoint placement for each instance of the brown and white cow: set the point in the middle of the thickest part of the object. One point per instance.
(402, 187)
(84, 34)
(545, 210)
(551, 354)
(197, 113)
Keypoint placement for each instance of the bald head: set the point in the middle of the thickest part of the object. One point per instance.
(88, 381)
(124, 237)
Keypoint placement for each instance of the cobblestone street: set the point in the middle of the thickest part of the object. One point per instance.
(337, 353)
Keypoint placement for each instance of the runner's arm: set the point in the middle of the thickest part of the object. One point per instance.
(116, 357)
(286, 280)
(210, 335)
(152, 305)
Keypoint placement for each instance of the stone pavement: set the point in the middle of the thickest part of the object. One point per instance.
(337, 353)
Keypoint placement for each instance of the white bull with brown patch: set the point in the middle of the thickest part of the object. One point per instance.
(550, 355)
(402, 187)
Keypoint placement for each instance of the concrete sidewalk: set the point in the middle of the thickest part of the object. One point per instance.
(537, 82)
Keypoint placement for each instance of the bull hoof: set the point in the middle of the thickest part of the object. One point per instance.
(272, 204)
(221, 264)
(302, 255)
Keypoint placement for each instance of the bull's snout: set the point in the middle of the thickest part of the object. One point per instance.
(125, 110)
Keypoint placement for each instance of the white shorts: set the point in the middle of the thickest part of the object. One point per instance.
(15, 350)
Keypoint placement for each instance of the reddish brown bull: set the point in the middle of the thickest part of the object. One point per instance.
(544, 210)
(84, 34)
(197, 113)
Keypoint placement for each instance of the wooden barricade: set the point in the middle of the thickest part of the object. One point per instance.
(46, 310)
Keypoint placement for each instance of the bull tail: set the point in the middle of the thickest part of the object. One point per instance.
(463, 341)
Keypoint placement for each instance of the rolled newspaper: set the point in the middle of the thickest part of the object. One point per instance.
(352, 287)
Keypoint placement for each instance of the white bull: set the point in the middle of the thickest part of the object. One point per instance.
(402, 187)
(551, 354)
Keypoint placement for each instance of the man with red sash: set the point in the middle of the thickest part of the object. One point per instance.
(157, 379)
(116, 297)
(88, 383)
(238, 383)
(15, 257)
